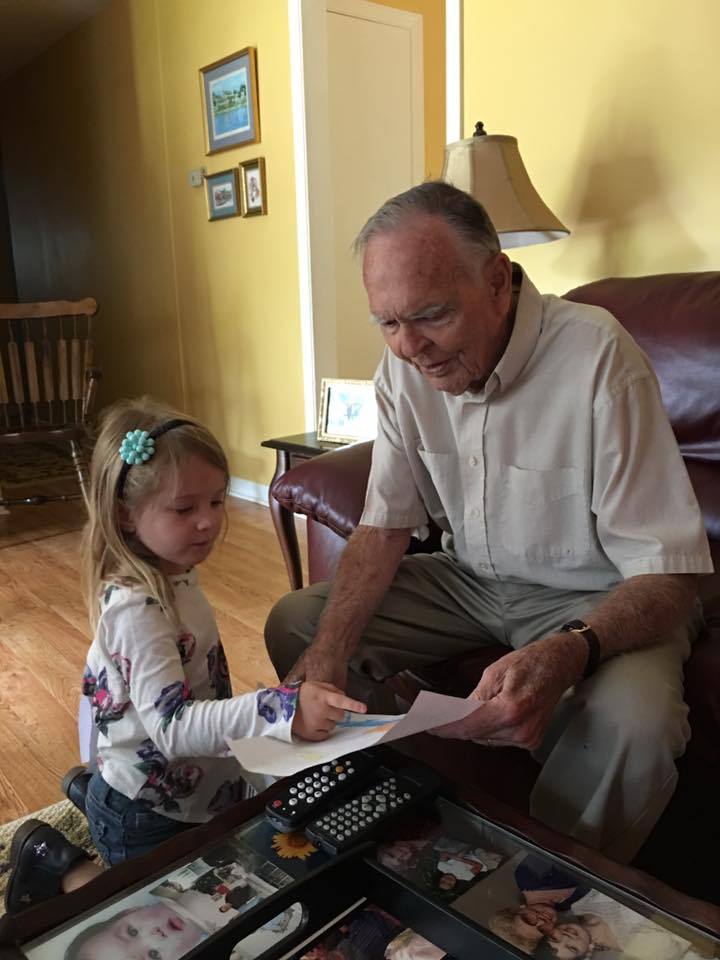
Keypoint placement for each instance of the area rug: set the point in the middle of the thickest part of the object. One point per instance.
(24, 463)
(39, 468)
(63, 816)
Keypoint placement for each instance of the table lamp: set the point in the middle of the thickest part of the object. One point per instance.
(490, 168)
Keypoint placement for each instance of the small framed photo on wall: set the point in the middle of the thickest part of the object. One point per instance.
(348, 411)
(222, 194)
(254, 189)
(230, 101)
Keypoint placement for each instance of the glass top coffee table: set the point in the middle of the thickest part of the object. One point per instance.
(444, 880)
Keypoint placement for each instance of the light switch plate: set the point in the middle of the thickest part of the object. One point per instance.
(196, 177)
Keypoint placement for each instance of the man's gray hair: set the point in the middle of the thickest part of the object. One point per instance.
(435, 198)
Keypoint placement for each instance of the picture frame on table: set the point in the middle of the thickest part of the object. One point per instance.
(230, 101)
(254, 189)
(222, 194)
(348, 411)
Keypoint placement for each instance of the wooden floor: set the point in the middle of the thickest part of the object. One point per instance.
(44, 635)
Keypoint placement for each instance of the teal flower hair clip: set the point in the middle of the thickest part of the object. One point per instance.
(137, 447)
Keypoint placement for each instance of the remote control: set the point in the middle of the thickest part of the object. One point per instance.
(382, 800)
(317, 787)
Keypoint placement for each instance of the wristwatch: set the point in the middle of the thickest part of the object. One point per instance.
(583, 630)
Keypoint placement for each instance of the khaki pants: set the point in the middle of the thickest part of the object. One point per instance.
(608, 756)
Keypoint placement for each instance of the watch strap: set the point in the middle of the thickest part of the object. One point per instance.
(580, 628)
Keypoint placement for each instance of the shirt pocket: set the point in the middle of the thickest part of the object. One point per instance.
(442, 494)
(544, 514)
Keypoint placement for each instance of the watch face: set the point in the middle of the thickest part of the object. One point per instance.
(575, 625)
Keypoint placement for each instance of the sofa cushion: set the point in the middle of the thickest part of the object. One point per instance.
(674, 318)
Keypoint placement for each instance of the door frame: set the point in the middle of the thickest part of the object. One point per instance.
(311, 139)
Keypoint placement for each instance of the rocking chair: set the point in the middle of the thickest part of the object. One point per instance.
(47, 381)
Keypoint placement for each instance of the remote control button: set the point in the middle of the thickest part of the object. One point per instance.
(339, 769)
(325, 767)
(325, 788)
(351, 769)
(292, 801)
(323, 779)
(277, 803)
(310, 799)
(308, 779)
(293, 789)
(342, 776)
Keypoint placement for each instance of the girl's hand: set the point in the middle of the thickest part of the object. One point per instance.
(319, 707)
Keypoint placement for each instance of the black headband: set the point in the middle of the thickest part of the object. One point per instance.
(140, 440)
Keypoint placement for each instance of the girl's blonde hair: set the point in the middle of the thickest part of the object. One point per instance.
(109, 553)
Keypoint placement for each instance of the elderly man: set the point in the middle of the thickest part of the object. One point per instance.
(531, 430)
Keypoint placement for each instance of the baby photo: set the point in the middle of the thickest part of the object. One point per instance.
(169, 917)
(446, 854)
(548, 912)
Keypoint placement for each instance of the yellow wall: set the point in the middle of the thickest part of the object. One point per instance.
(614, 106)
(87, 195)
(433, 13)
(100, 204)
(204, 315)
(237, 279)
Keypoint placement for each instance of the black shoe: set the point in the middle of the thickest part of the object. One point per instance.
(75, 786)
(40, 856)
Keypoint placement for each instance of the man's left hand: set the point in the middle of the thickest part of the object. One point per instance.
(517, 694)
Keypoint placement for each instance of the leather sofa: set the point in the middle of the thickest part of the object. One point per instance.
(676, 320)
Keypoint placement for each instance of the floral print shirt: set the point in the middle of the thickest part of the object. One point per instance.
(163, 706)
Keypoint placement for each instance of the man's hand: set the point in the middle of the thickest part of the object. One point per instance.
(321, 664)
(320, 706)
(518, 693)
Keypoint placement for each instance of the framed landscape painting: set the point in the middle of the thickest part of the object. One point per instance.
(230, 101)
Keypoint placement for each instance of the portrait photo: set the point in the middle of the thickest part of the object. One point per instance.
(254, 188)
(348, 411)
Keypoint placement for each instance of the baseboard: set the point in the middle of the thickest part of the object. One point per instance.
(247, 490)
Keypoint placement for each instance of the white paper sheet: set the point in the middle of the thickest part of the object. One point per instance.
(357, 732)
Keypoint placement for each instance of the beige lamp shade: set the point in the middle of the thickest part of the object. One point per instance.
(490, 168)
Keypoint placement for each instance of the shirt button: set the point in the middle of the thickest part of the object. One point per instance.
(475, 512)
(483, 566)
(472, 461)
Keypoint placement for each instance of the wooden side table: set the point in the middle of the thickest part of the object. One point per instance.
(290, 451)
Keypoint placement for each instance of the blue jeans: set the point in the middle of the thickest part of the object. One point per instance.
(122, 828)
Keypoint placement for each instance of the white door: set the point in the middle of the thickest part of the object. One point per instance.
(364, 129)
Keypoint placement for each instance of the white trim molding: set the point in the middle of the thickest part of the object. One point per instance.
(453, 70)
(302, 210)
(247, 490)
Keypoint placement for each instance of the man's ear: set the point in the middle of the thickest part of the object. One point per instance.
(125, 518)
(498, 276)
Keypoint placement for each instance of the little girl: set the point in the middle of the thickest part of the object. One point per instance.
(156, 671)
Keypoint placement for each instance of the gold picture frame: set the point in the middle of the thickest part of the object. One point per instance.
(229, 92)
(348, 411)
(222, 194)
(254, 187)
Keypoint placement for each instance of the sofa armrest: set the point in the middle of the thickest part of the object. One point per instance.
(329, 489)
